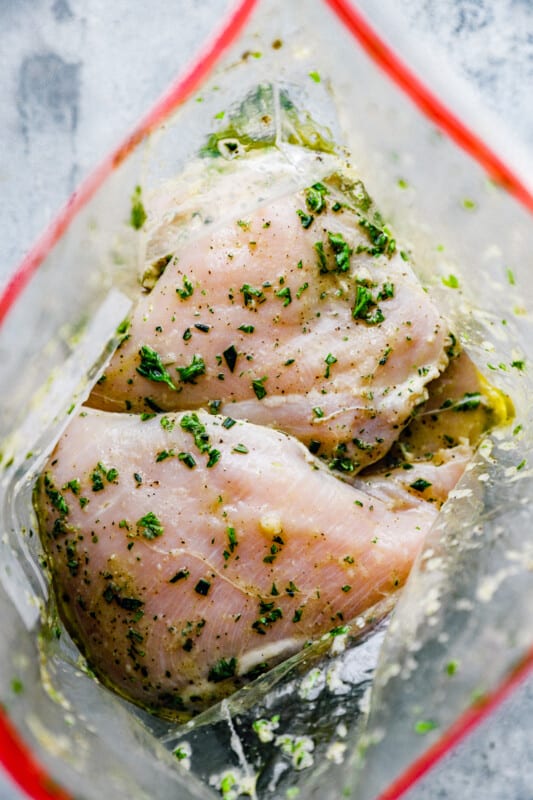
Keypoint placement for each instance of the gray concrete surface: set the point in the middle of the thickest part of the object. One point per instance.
(74, 76)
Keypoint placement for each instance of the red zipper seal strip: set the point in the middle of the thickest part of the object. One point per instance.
(385, 57)
(183, 87)
(433, 108)
(15, 755)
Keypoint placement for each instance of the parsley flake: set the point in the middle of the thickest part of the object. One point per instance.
(259, 389)
(152, 368)
(149, 526)
(193, 370)
(222, 670)
(187, 289)
(138, 214)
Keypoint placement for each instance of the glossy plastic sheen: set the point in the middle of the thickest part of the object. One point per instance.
(462, 624)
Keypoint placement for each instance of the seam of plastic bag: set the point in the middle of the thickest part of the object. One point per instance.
(460, 729)
(27, 773)
(401, 74)
(15, 754)
(179, 91)
(427, 101)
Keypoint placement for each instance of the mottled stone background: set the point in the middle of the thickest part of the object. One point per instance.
(76, 74)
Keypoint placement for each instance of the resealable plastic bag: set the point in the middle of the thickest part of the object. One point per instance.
(294, 98)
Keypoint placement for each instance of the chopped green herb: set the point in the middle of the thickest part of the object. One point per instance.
(363, 302)
(97, 481)
(425, 726)
(384, 358)
(240, 448)
(420, 485)
(329, 360)
(138, 214)
(322, 263)
(297, 615)
(149, 526)
(386, 291)
(152, 367)
(55, 496)
(342, 251)
(222, 670)
(340, 631)
(193, 370)
(230, 356)
(202, 587)
(145, 416)
(229, 423)
(468, 402)
(510, 276)
(301, 290)
(305, 219)
(180, 575)
(214, 457)
(112, 474)
(258, 387)
(318, 412)
(285, 295)
(167, 423)
(74, 486)
(378, 238)
(346, 588)
(250, 294)
(521, 465)
(187, 289)
(164, 454)
(519, 364)
(314, 75)
(187, 459)
(152, 404)
(246, 328)
(191, 424)
(451, 281)
(452, 667)
(315, 197)
(232, 538)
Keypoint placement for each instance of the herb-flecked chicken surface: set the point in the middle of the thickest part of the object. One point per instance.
(303, 316)
(275, 463)
(191, 550)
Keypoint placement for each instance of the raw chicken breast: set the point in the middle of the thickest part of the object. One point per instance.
(190, 551)
(302, 317)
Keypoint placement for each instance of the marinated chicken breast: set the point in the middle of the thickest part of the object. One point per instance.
(303, 317)
(189, 551)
